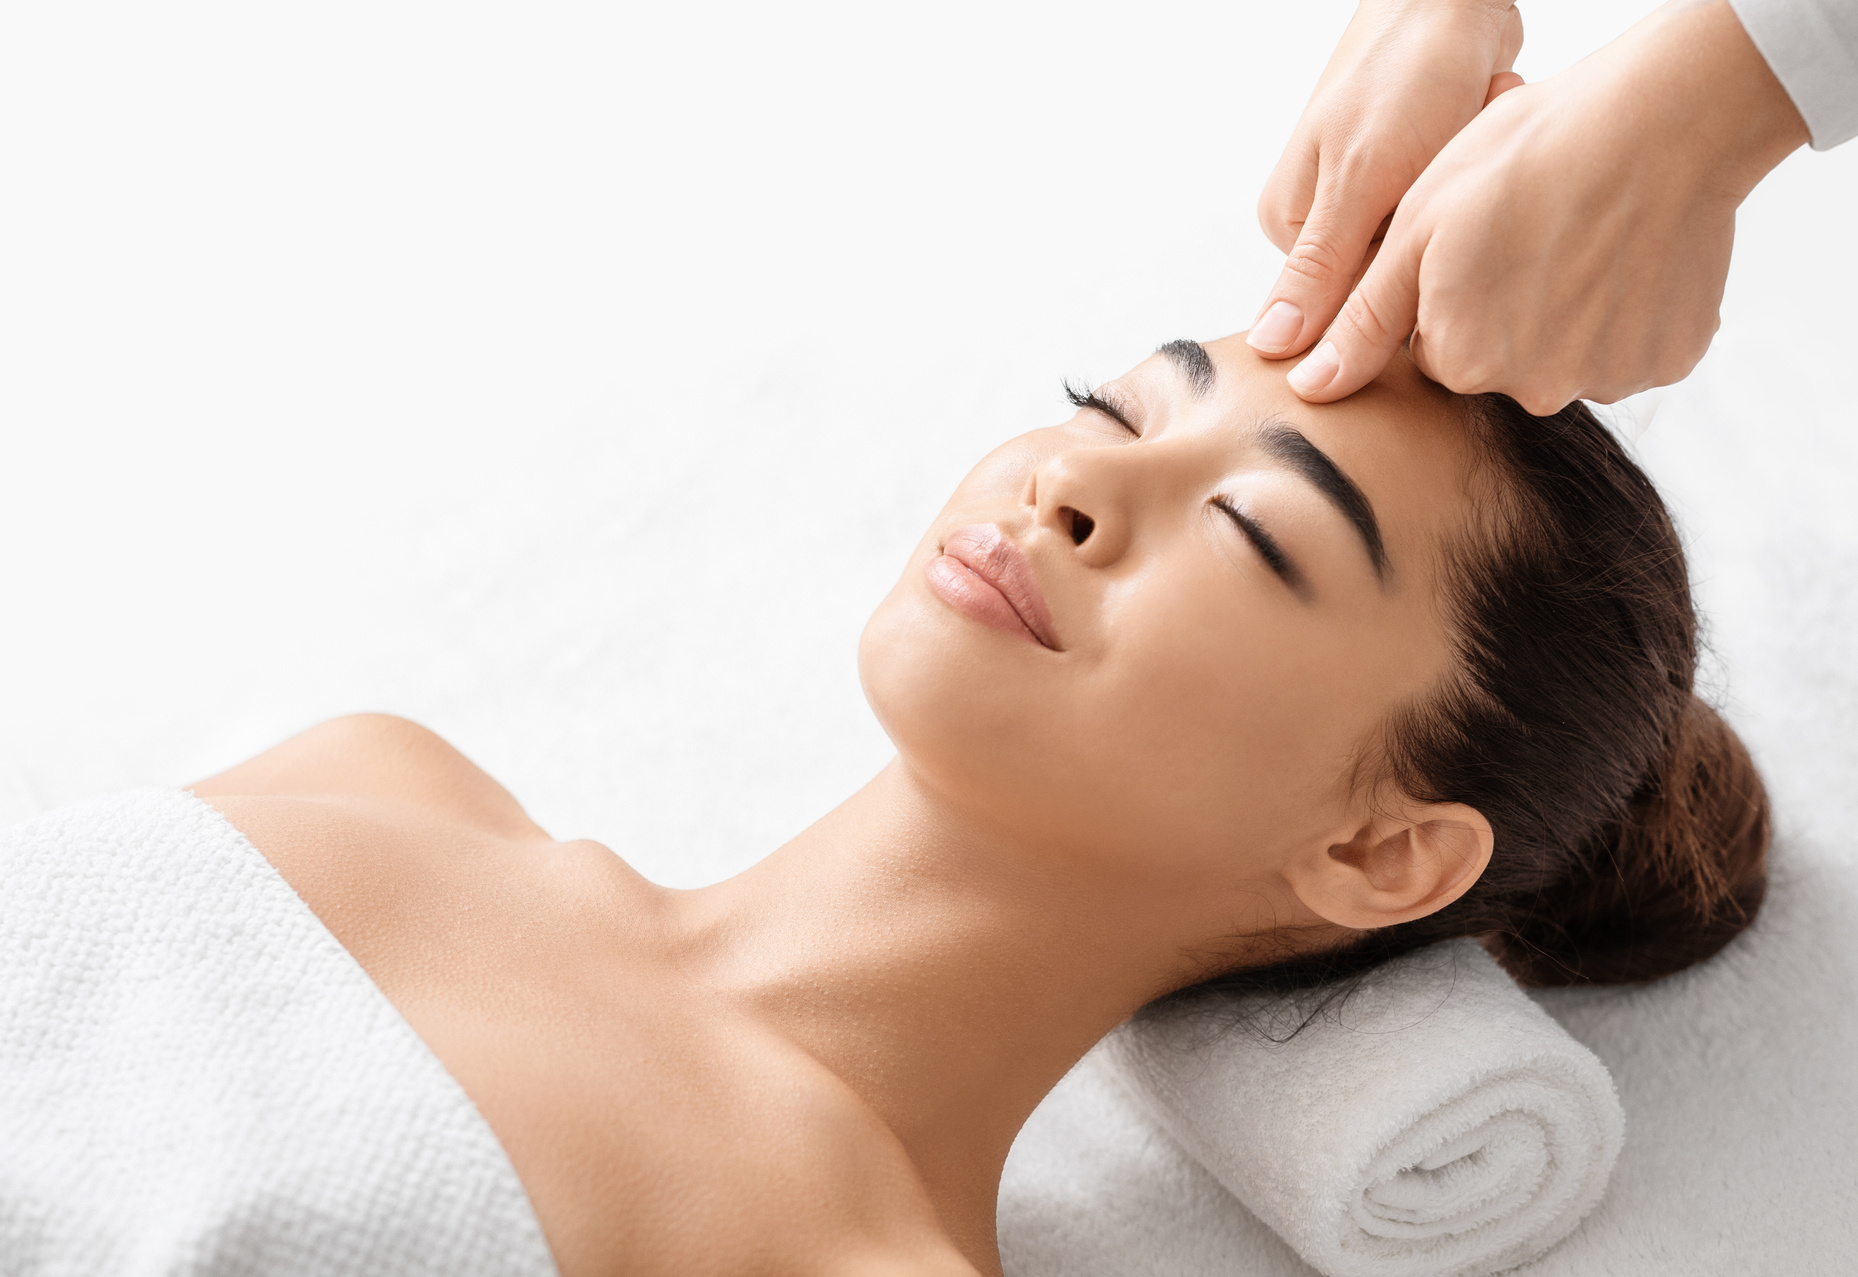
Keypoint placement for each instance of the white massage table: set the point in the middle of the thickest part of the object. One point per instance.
(499, 369)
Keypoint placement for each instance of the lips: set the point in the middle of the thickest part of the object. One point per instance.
(983, 574)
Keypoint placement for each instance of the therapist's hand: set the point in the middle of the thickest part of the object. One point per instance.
(1407, 76)
(1572, 240)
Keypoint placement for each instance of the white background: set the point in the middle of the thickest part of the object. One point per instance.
(575, 378)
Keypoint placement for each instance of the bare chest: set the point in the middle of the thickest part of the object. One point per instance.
(654, 1131)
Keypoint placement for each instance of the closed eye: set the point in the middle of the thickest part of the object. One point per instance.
(1268, 549)
(1085, 397)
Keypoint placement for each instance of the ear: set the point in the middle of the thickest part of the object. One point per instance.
(1395, 868)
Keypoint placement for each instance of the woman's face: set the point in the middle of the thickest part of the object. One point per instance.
(1166, 638)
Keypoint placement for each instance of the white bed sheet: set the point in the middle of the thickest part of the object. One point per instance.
(575, 378)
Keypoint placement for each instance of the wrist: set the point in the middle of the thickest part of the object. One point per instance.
(1469, 37)
(1493, 9)
(1473, 15)
(1719, 102)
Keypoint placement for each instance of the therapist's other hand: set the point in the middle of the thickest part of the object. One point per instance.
(1572, 241)
(1406, 77)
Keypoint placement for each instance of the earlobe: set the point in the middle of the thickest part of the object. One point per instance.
(1395, 868)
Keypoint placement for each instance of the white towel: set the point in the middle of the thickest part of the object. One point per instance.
(1435, 1123)
(197, 1080)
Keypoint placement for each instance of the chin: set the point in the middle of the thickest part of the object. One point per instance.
(975, 716)
(936, 679)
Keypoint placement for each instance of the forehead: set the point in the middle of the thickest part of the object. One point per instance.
(1404, 441)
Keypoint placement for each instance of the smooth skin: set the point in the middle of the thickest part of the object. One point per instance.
(818, 1066)
(1569, 240)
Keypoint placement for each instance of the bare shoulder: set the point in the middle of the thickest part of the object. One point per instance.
(394, 839)
(375, 757)
(655, 1129)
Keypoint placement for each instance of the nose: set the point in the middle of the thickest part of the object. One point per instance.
(1082, 495)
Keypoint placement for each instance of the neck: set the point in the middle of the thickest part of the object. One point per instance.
(945, 973)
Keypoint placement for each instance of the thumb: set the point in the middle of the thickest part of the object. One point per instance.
(1324, 261)
(1372, 325)
(1500, 83)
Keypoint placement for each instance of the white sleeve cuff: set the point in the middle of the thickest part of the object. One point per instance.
(1812, 48)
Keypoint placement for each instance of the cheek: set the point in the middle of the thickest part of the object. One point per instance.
(1212, 710)
(1201, 723)
(1228, 718)
(1167, 745)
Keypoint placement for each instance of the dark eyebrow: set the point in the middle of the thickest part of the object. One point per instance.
(1290, 446)
(1194, 363)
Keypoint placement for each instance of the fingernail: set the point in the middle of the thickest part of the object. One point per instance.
(1316, 371)
(1276, 328)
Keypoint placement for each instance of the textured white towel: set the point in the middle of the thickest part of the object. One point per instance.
(197, 1079)
(1435, 1123)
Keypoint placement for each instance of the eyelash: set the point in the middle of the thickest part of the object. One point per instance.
(1085, 397)
(1268, 550)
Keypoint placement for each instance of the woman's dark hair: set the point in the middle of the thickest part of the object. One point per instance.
(1631, 826)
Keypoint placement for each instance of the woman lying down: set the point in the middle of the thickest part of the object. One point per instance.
(1206, 690)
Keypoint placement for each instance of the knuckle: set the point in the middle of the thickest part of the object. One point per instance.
(1477, 379)
(1464, 370)
(1368, 322)
(1661, 374)
(1681, 361)
(1512, 38)
(1318, 260)
(1474, 354)
(1544, 395)
(1284, 203)
(1481, 373)
(1278, 225)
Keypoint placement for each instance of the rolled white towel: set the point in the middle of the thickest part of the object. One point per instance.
(1433, 1123)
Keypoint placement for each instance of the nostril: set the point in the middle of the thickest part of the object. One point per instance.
(1082, 525)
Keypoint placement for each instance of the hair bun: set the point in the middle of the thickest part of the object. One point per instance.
(1679, 877)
